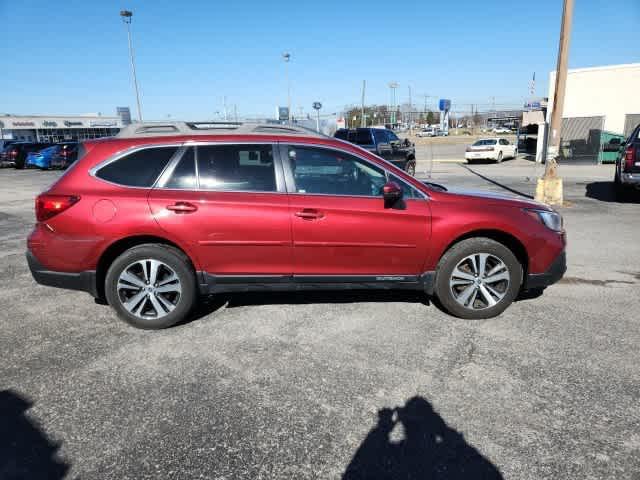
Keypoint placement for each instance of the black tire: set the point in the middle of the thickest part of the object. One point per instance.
(460, 251)
(499, 159)
(172, 258)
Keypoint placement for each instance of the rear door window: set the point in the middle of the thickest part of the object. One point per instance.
(236, 167)
(137, 169)
(363, 137)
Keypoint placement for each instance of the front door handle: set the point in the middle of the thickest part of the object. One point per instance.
(182, 207)
(309, 214)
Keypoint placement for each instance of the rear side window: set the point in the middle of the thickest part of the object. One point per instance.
(363, 137)
(236, 167)
(138, 169)
(341, 134)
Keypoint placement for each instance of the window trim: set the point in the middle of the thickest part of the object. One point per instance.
(291, 184)
(277, 167)
(127, 151)
(173, 162)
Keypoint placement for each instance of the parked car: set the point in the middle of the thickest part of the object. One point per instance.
(384, 143)
(18, 151)
(490, 149)
(160, 214)
(501, 130)
(66, 155)
(627, 173)
(427, 132)
(5, 161)
(41, 158)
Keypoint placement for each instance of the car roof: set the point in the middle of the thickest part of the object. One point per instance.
(172, 129)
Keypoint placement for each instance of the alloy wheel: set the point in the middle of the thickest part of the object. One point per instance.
(479, 281)
(149, 289)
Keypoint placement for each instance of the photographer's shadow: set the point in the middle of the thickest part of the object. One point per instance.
(25, 450)
(427, 449)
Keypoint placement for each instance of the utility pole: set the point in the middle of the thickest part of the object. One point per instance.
(235, 112)
(549, 188)
(126, 18)
(224, 101)
(363, 122)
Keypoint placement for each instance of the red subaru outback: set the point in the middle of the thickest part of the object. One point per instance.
(163, 213)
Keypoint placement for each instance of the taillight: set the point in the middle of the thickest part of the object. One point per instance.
(630, 157)
(48, 206)
(13, 153)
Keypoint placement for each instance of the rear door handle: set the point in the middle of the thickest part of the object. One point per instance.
(309, 214)
(182, 207)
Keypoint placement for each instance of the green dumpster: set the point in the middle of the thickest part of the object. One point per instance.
(609, 151)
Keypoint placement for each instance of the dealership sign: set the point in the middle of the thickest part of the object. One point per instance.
(49, 123)
(23, 124)
(69, 123)
(102, 123)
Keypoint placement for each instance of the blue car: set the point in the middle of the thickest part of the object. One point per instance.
(42, 158)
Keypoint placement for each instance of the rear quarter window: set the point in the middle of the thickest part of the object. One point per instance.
(140, 168)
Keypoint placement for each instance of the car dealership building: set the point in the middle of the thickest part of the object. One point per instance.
(57, 128)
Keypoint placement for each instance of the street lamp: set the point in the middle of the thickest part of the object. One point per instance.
(317, 106)
(126, 19)
(287, 56)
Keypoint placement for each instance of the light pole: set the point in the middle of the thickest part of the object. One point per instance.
(393, 86)
(317, 106)
(287, 56)
(126, 18)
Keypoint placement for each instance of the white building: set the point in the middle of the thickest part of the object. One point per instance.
(597, 99)
(56, 128)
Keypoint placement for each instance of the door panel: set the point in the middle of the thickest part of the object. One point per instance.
(339, 223)
(231, 232)
(358, 236)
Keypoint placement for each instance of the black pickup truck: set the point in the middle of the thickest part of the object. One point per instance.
(627, 176)
(384, 143)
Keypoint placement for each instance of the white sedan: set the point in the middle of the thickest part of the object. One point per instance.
(490, 149)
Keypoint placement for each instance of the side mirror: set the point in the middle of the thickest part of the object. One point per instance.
(392, 194)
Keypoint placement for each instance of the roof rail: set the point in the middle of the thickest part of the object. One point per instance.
(158, 129)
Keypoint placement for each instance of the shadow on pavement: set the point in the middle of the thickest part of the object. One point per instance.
(213, 303)
(427, 448)
(25, 450)
(606, 192)
(498, 184)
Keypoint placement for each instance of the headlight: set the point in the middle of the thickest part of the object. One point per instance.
(552, 220)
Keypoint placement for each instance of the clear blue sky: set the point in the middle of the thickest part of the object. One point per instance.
(71, 56)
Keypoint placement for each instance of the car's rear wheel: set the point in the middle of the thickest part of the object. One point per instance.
(478, 278)
(499, 159)
(151, 286)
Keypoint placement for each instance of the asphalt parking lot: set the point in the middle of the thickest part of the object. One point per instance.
(298, 385)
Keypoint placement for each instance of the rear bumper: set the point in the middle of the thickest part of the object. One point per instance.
(631, 179)
(83, 281)
(555, 272)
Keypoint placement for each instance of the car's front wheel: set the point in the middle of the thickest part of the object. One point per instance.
(478, 278)
(151, 286)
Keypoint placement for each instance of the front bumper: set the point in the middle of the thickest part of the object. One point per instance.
(555, 272)
(83, 281)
